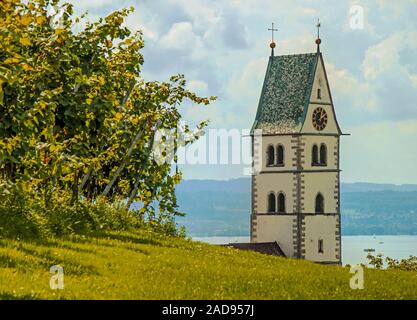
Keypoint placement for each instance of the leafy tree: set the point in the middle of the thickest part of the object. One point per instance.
(76, 115)
(376, 261)
(406, 264)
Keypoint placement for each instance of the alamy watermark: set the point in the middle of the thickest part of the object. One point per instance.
(356, 17)
(57, 279)
(213, 147)
(357, 280)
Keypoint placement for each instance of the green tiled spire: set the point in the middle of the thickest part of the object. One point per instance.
(285, 93)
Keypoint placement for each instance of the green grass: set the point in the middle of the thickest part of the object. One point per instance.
(144, 265)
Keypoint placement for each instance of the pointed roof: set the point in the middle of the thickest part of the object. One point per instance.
(285, 94)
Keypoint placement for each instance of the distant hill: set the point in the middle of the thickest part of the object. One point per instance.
(222, 208)
(370, 187)
(243, 185)
(233, 186)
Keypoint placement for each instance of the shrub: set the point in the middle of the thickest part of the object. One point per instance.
(28, 215)
(407, 264)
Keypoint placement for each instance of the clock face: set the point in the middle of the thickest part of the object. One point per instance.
(319, 118)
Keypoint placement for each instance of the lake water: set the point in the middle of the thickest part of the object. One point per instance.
(396, 247)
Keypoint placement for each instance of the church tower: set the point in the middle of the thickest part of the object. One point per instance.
(296, 169)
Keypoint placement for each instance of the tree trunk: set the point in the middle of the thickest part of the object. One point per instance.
(75, 187)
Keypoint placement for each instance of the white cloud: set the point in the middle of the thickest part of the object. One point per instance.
(380, 152)
(383, 83)
(180, 36)
(85, 5)
(393, 7)
(247, 83)
(300, 43)
(203, 14)
(268, 7)
(350, 90)
(384, 56)
(198, 86)
(413, 78)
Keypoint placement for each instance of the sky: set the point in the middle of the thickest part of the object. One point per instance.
(222, 48)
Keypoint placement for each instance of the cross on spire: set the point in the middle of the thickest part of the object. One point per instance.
(318, 40)
(272, 29)
(318, 25)
(272, 45)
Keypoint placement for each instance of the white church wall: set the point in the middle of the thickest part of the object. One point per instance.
(325, 103)
(320, 83)
(331, 143)
(325, 228)
(271, 228)
(289, 153)
(323, 182)
(275, 182)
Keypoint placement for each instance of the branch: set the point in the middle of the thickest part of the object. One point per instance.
(90, 169)
(124, 162)
(134, 192)
(90, 61)
(86, 177)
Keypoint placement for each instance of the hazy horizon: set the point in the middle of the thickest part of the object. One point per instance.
(342, 181)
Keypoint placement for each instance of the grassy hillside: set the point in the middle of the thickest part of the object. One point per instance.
(148, 266)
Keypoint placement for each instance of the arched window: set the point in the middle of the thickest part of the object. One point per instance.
(271, 203)
(270, 154)
(319, 203)
(323, 154)
(281, 202)
(280, 155)
(318, 94)
(315, 155)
